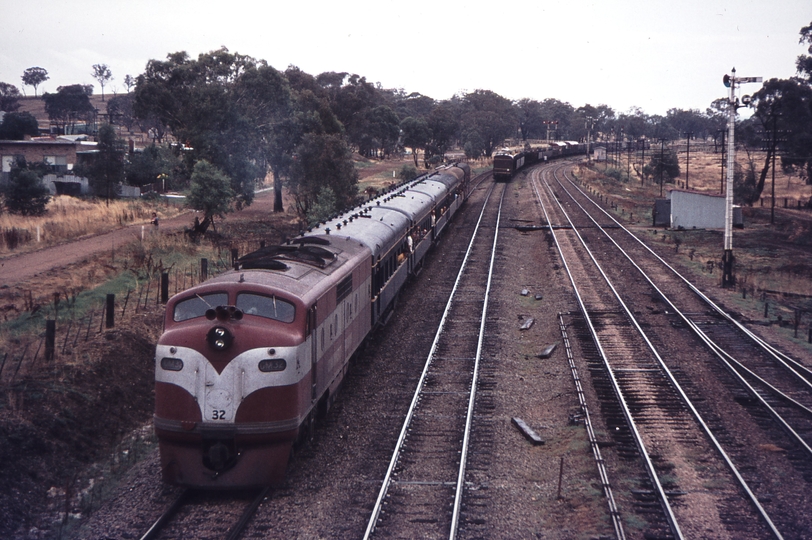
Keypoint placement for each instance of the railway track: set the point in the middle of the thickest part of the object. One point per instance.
(756, 399)
(206, 515)
(778, 383)
(421, 494)
(645, 407)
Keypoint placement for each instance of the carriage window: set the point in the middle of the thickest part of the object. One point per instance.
(269, 307)
(197, 305)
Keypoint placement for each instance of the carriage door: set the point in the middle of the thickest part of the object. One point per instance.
(314, 350)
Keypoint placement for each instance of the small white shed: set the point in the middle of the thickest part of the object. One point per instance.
(698, 210)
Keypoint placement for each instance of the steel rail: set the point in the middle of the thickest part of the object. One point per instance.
(377, 508)
(161, 522)
(247, 514)
(787, 361)
(726, 458)
(638, 440)
(732, 365)
(603, 472)
(455, 516)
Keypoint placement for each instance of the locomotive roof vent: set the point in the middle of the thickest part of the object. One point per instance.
(305, 250)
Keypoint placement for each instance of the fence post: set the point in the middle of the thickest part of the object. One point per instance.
(204, 269)
(50, 339)
(164, 287)
(110, 311)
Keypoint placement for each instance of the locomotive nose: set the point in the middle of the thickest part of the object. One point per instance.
(219, 455)
(219, 338)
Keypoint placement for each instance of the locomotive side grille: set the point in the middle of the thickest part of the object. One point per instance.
(344, 288)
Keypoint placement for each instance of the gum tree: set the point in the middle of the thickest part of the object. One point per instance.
(34, 76)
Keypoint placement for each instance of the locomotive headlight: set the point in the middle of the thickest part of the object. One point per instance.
(219, 338)
(172, 364)
(272, 364)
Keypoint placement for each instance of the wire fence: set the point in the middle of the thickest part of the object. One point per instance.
(63, 337)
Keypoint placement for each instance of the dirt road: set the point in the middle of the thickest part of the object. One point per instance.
(18, 268)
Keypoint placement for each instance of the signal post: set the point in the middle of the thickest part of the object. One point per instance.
(731, 81)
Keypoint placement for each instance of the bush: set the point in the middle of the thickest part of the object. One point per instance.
(408, 172)
(25, 194)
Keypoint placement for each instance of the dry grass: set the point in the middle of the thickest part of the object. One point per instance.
(68, 218)
(773, 261)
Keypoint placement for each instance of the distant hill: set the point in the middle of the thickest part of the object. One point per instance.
(36, 106)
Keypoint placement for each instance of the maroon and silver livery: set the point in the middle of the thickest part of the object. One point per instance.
(249, 358)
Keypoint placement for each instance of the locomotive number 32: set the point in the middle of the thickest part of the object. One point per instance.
(218, 415)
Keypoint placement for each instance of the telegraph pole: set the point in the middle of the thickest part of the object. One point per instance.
(588, 136)
(643, 164)
(662, 153)
(688, 135)
(731, 81)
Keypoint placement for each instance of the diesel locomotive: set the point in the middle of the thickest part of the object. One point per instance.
(249, 358)
(508, 161)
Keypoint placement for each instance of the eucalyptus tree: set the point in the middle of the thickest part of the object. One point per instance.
(323, 179)
(129, 82)
(553, 110)
(198, 101)
(784, 106)
(35, 76)
(103, 75)
(598, 120)
(416, 134)
(16, 125)
(69, 105)
(487, 120)
(106, 173)
(9, 97)
(266, 109)
(444, 128)
(531, 120)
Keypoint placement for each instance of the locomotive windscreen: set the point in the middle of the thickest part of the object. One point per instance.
(197, 305)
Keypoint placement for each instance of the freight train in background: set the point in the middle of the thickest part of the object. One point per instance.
(508, 161)
(250, 357)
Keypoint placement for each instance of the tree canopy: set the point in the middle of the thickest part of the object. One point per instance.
(35, 76)
(15, 126)
(69, 105)
(9, 97)
(103, 75)
(487, 120)
(210, 191)
(25, 194)
(322, 162)
(106, 172)
(204, 107)
(785, 107)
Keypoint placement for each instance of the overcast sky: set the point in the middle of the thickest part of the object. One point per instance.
(652, 54)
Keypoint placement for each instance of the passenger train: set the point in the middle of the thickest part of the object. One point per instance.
(249, 358)
(507, 162)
